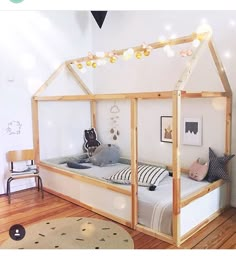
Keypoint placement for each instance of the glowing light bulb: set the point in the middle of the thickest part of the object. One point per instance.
(196, 43)
(204, 28)
(138, 55)
(128, 54)
(94, 64)
(146, 52)
(113, 59)
(227, 55)
(80, 66)
(88, 63)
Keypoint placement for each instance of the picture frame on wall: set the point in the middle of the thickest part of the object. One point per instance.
(192, 131)
(166, 130)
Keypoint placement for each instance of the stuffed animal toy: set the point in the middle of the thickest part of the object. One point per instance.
(105, 154)
(91, 142)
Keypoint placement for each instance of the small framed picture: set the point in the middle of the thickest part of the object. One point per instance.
(192, 131)
(166, 131)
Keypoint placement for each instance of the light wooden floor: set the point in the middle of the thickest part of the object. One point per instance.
(28, 207)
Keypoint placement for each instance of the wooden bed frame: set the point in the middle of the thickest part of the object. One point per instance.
(49, 173)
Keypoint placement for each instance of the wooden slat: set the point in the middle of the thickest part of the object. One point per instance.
(134, 162)
(83, 178)
(138, 95)
(50, 79)
(93, 113)
(158, 235)
(35, 127)
(228, 125)
(119, 96)
(192, 197)
(204, 94)
(78, 80)
(182, 81)
(155, 45)
(219, 66)
(176, 165)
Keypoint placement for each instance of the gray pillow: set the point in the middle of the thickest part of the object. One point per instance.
(217, 167)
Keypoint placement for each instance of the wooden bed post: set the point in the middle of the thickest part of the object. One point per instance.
(176, 166)
(228, 118)
(134, 163)
(35, 127)
(93, 113)
(228, 133)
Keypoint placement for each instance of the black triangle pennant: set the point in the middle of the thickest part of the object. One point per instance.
(99, 16)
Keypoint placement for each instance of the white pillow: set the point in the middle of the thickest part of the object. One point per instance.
(147, 174)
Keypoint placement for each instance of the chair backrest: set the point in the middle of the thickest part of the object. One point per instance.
(20, 155)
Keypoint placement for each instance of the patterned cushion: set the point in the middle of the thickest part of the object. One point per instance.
(147, 175)
(198, 171)
(217, 167)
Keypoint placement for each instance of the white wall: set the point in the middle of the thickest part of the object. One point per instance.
(123, 29)
(33, 44)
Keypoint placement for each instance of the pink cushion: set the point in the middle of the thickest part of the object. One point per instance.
(198, 171)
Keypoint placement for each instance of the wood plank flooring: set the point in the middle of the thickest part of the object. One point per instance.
(28, 207)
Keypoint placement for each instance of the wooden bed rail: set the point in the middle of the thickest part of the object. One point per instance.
(187, 200)
(129, 96)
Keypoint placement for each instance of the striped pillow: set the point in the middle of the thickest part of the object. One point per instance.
(147, 175)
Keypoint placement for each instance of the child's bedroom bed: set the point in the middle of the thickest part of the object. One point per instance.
(154, 207)
(179, 206)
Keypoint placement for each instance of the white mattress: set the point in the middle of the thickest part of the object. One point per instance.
(154, 207)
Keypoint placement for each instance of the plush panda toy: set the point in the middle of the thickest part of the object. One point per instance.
(91, 142)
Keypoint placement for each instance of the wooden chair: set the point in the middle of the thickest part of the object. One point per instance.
(29, 171)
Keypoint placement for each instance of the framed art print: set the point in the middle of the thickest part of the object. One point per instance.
(192, 131)
(166, 130)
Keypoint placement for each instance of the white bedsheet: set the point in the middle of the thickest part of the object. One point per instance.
(154, 207)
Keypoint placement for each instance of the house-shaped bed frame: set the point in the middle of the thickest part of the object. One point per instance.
(49, 172)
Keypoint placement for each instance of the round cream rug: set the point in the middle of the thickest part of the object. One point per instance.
(73, 233)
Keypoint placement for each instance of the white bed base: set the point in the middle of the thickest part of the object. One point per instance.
(118, 206)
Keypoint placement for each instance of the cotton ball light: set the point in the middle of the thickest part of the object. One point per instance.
(94, 64)
(196, 43)
(128, 54)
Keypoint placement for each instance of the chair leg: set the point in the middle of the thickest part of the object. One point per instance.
(9, 189)
(40, 185)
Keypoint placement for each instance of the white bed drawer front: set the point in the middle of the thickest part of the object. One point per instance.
(202, 208)
(106, 200)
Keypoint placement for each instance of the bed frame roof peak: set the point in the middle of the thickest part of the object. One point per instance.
(204, 38)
